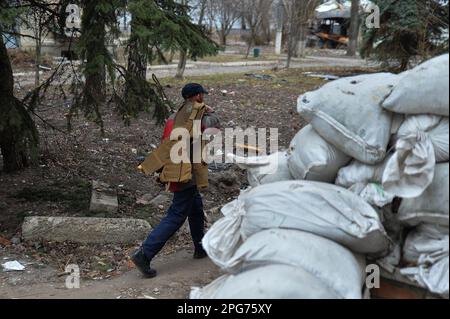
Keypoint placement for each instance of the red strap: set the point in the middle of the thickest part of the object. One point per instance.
(168, 128)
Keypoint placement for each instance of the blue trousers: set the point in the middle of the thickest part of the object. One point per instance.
(186, 204)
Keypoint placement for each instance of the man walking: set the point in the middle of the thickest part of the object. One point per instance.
(184, 179)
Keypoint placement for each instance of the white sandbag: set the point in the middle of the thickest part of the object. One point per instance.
(432, 205)
(348, 114)
(424, 89)
(359, 173)
(433, 126)
(338, 268)
(425, 238)
(373, 193)
(427, 249)
(410, 170)
(312, 158)
(365, 181)
(269, 282)
(322, 209)
(264, 169)
(422, 140)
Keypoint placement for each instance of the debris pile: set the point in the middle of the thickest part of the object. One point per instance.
(365, 182)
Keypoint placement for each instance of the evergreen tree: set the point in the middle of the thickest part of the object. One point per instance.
(98, 17)
(158, 26)
(409, 28)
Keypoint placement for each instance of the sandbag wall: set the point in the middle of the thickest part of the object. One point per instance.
(366, 181)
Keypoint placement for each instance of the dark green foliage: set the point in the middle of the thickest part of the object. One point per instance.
(408, 28)
(165, 25)
(158, 26)
(97, 17)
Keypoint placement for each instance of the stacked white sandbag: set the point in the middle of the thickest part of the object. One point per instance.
(416, 171)
(426, 250)
(274, 281)
(323, 209)
(347, 114)
(365, 180)
(423, 90)
(340, 272)
(432, 206)
(312, 158)
(382, 139)
(317, 232)
(264, 169)
(421, 142)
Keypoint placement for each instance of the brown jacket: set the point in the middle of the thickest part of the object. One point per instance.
(160, 158)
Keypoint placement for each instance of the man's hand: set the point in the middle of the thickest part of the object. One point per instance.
(209, 109)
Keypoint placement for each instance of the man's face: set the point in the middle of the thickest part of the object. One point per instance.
(198, 98)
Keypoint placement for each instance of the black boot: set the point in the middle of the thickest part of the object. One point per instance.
(200, 254)
(143, 264)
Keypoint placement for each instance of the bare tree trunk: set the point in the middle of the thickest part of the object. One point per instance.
(289, 52)
(354, 29)
(303, 38)
(202, 12)
(171, 56)
(291, 40)
(18, 134)
(181, 65)
(223, 37)
(37, 61)
(250, 43)
(183, 53)
(279, 34)
(37, 20)
(243, 24)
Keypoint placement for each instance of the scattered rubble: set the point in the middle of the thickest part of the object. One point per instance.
(104, 198)
(259, 76)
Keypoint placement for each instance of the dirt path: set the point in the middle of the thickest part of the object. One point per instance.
(177, 273)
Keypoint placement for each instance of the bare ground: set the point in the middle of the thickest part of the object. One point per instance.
(60, 186)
